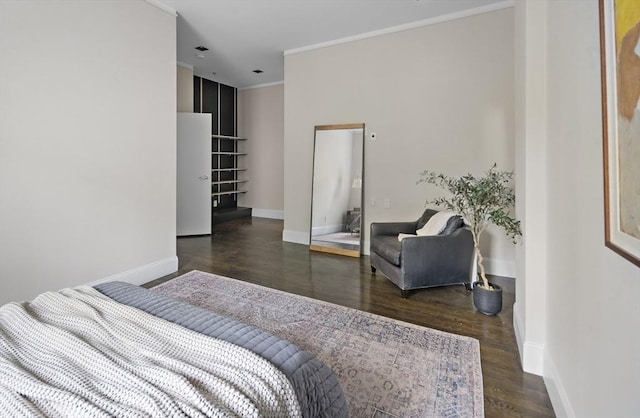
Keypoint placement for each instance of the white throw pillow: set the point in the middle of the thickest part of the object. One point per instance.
(402, 236)
(435, 224)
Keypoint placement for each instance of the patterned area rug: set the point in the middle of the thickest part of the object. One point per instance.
(386, 368)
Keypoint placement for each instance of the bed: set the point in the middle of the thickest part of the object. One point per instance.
(122, 350)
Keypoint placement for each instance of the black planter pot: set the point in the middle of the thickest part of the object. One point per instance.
(489, 302)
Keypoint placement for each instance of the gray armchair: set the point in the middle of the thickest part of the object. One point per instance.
(422, 261)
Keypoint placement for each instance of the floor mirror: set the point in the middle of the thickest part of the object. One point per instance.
(337, 189)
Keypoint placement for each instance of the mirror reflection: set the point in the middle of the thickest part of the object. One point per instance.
(336, 204)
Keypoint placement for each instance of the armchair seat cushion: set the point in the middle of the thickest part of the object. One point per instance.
(388, 247)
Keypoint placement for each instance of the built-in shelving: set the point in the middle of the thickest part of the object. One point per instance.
(228, 193)
(226, 162)
(230, 181)
(228, 150)
(228, 169)
(232, 138)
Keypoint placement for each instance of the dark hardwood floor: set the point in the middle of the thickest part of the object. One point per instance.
(251, 249)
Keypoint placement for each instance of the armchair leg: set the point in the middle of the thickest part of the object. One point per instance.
(404, 293)
(373, 269)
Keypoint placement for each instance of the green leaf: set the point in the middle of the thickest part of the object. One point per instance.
(479, 200)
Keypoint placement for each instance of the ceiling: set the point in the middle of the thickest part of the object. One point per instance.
(247, 35)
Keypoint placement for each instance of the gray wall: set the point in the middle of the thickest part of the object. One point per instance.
(87, 144)
(439, 97)
(184, 88)
(261, 120)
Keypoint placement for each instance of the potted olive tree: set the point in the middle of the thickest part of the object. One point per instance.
(480, 201)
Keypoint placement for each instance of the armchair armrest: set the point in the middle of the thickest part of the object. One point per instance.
(392, 228)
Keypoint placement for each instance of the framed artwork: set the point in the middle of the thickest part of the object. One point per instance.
(620, 63)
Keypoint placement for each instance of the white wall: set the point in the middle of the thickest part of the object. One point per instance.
(261, 120)
(531, 181)
(590, 309)
(439, 97)
(87, 144)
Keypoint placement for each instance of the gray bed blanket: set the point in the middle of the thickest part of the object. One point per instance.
(79, 353)
(316, 386)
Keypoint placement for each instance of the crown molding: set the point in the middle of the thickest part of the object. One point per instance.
(413, 25)
(182, 64)
(160, 5)
(257, 86)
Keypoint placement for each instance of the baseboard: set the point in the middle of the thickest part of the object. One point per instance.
(327, 229)
(143, 274)
(533, 358)
(555, 389)
(531, 353)
(296, 237)
(268, 213)
(518, 331)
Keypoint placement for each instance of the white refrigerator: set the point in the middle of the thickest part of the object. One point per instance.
(194, 174)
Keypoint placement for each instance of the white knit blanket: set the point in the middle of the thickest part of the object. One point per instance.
(77, 353)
